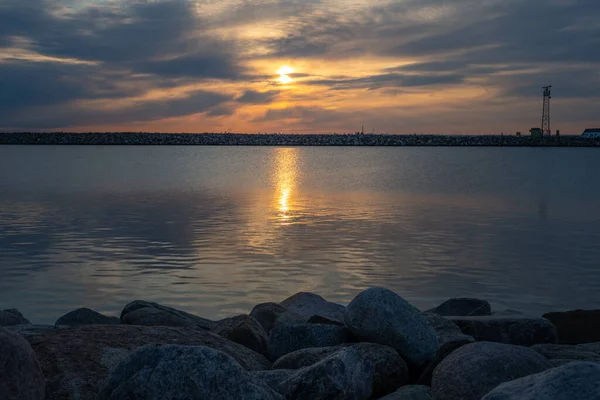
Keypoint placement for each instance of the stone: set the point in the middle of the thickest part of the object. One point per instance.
(85, 316)
(450, 338)
(472, 371)
(20, 374)
(77, 360)
(462, 306)
(343, 375)
(379, 315)
(389, 369)
(285, 339)
(311, 304)
(141, 312)
(507, 312)
(577, 380)
(274, 377)
(28, 330)
(410, 392)
(245, 330)
(173, 372)
(267, 314)
(567, 352)
(317, 319)
(575, 327)
(10, 317)
(520, 331)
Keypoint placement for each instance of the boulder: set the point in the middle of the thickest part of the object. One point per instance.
(520, 331)
(141, 312)
(20, 374)
(311, 304)
(450, 338)
(85, 316)
(343, 375)
(578, 326)
(285, 339)
(245, 330)
(472, 371)
(274, 377)
(28, 330)
(267, 314)
(379, 315)
(12, 317)
(389, 369)
(411, 392)
(77, 360)
(317, 319)
(577, 380)
(567, 352)
(182, 373)
(462, 306)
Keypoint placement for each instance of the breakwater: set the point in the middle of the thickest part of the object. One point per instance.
(237, 139)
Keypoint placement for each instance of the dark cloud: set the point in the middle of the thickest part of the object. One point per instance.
(254, 97)
(389, 80)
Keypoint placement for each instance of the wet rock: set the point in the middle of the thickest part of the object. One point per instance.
(381, 316)
(510, 330)
(462, 306)
(472, 371)
(85, 316)
(166, 371)
(578, 380)
(507, 312)
(389, 369)
(450, 338)
(567, 352)
(343, 375)
(141, 312)
(70, 375)
(267, 314)
(311, 304)
(12, 317)
(20, 373)
(245, 330)
(28, 330)
(317, 319)
(578, 326)
(285, 339)
(411, 392)
(274, 377)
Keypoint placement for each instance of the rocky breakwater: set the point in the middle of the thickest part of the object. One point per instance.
(379, 346)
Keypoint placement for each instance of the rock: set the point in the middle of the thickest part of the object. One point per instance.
(567, 352)
(510, 330)
(411, 392)
(472, 371)
(507, 312)
(450, 338)
(20, 373)
(245, 330)
(311, 304)
(462, 306)
(343, 375)
(77, 360)
(389, 369)
(28, 330)
(381, 316)
(578, 326)
(10, 317)
(267, 314)
(317, 319)
(273, 378)
(182, 373)
(141, 312)
(577, 380)
(285, 339)
(85, 316)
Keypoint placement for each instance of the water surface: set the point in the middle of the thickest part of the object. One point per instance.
(216, 230)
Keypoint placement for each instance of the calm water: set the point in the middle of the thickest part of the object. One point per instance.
(216, 230)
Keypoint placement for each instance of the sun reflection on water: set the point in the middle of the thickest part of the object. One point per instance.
(285, 172)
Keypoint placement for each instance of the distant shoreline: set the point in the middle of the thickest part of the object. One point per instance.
(237, 139)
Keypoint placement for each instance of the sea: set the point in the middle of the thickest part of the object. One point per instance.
(216, 230)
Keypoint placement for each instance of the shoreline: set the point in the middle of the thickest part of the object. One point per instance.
(230, 139)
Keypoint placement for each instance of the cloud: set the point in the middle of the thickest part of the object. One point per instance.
(254, 97)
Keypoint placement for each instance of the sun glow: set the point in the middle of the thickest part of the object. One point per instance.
(284, 74)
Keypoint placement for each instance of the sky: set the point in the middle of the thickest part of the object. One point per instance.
(297, 66)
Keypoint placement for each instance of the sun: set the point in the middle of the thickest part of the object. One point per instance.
(284, 72)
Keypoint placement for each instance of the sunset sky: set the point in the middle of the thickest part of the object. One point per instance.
(396, 66)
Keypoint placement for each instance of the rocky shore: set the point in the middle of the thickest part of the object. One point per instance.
(229, 139)
(377, 347)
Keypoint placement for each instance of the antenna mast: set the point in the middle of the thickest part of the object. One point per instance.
(546, 111)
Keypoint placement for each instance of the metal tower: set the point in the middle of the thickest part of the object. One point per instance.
(546, 112)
